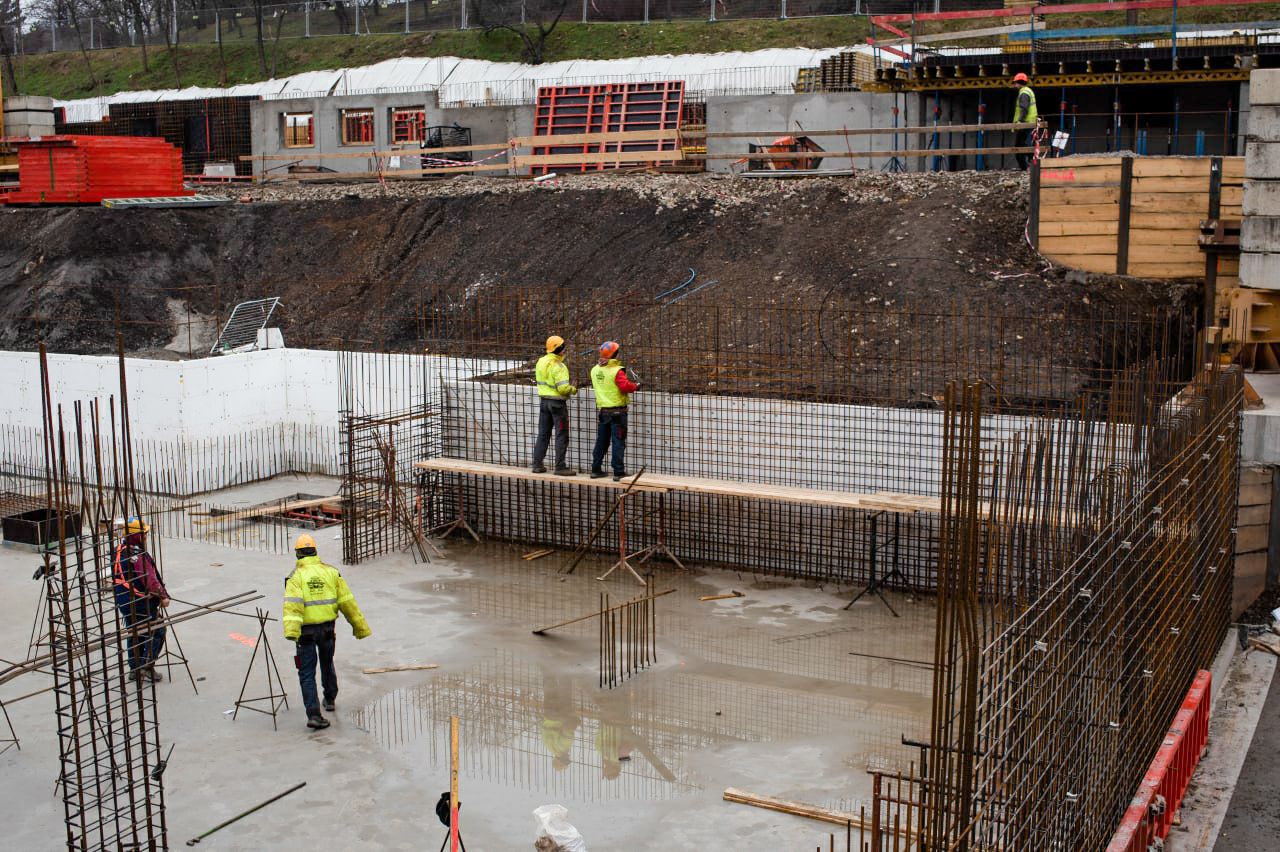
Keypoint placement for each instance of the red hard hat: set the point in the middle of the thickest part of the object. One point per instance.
(608, 349)
(1020, 78)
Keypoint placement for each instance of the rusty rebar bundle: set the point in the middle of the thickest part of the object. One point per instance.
(628, 637)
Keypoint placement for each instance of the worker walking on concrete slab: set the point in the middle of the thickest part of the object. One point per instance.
(1024, 112)
(314, 594)
(613, 394)
(554, 390)
(140, 596)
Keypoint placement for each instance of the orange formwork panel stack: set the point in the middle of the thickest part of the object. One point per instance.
(89, 169)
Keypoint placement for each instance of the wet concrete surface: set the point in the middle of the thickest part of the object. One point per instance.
(1252, 820)
(760, 692)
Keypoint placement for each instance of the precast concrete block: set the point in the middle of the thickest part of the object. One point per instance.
(1264, 86)
(1260, 270)
(1260, 234)
(1264, 123)
(1261, 197)
(1262, 159)
(17, 103)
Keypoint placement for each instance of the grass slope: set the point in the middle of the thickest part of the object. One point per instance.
(67, 75)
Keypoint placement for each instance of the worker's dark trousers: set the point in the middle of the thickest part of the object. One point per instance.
(552, 414)
(1023, 140)
(611, 429)
(316, 642)
(145, 646)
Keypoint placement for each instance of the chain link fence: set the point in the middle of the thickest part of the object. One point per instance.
(316, 19)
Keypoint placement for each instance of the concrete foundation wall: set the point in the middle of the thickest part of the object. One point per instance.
(489, 125)
(817, 111)
(1259, 246)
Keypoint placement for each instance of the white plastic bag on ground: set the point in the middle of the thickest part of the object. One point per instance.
(553, 825)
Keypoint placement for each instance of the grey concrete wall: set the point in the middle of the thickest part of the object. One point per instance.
(788, 113)
(1260, 233)
(489, 125)
(28, 115)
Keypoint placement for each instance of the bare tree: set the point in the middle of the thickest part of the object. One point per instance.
(262, 51)
(10, 22)
(532, 21)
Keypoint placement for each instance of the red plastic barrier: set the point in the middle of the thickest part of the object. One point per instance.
(87, 169)
(1150, 814)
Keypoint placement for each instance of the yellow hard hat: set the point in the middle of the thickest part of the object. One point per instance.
(554, 342)
(304, 540)
(135, 525)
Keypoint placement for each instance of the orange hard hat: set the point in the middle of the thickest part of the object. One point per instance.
(608, 349)
(304, 540)
(1020, 78)
(554, 342)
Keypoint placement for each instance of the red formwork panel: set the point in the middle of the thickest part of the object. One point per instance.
(88, 169)
(1151, 812)
(606, 108)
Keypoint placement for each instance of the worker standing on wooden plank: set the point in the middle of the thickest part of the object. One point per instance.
(613, 394)
(554, 390)
(1024, 112)
(314, 594)
(139, 595)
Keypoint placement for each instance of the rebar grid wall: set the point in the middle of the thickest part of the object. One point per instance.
(768, 395)
(1048, 708)
(108, 731)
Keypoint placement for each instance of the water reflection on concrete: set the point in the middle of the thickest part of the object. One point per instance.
(772, 667)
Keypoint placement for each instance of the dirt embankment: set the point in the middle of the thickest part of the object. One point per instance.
(344, 259)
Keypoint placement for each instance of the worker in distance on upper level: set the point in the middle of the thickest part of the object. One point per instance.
(1024, 112)
(613, 389)
(554, 390)
(314, 594)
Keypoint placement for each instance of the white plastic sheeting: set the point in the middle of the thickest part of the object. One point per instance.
(474, 80)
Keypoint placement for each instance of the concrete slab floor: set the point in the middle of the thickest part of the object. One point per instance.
(759, 692)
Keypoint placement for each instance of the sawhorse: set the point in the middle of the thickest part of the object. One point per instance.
(876, 583)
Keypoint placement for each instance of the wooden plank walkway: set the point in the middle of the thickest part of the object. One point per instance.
(887, 501)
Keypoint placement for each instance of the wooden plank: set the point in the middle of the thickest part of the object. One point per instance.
(1079, 195)
(1171, 202)
(471, 468)
(390, 174)
(405, 668)
(1147, 167)
(1197, 185)
(1148, 221)
(1086, 262)
(1255, 537)
(856, 131)
(1077, 229)
(1067, 212)
(665, 483)
(1080, 175)
(1251, 515)
(1097, 244)
(1172, 256)
(1142, 269)
(801, 809)
(917, 152)
(275, 509)
(369, 155)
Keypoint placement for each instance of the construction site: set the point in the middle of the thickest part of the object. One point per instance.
(948, 512)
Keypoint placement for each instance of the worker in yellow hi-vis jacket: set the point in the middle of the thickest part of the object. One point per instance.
(314, 594)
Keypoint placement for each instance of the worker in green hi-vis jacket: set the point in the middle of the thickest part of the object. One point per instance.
(1024, 112)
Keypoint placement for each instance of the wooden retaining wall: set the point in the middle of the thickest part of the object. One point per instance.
(1135, 216)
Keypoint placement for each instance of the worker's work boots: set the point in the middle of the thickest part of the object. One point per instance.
(317, 722)
(537, 468)
(566, 471)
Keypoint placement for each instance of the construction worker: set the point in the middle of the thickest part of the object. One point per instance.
(613, 394)
(554, 390)
(314, 594)
(140, 595)
(1024, 112)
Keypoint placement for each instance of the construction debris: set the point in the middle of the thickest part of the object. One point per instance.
(411, 667)
(733, 594)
